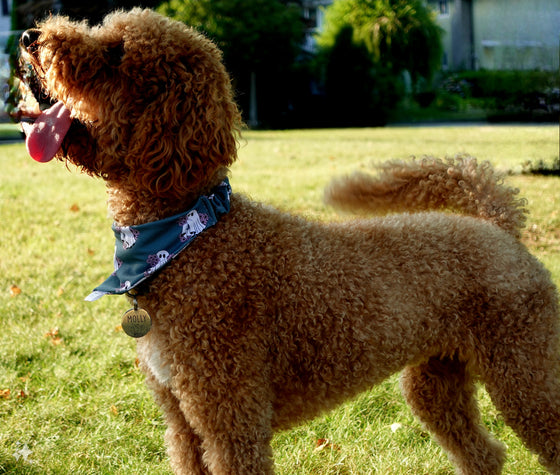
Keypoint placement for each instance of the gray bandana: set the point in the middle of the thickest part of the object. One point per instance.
(142, 250)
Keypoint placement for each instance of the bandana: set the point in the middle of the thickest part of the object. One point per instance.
(141, 251)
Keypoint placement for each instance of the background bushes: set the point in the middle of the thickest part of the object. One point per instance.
(532, 96)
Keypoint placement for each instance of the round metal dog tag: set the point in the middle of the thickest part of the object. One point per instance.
(136, 322)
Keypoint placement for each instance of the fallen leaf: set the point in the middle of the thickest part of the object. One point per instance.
(90, 251)
(52, 333)
(325, 444)
(118, 328)
(395, 427)
(74, 208)
(114, 410)
(14, 290)
(60, 291)
(5, 393)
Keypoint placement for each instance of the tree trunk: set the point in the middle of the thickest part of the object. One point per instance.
(253, 116)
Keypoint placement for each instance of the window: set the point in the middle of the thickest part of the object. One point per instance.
(443, 7)
(310, 16)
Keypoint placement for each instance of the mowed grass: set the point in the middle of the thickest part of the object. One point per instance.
(72, 399)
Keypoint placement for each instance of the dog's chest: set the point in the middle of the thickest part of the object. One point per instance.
(151, 356)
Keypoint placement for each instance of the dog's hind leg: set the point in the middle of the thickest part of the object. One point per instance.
(525, 388)
(441, 394)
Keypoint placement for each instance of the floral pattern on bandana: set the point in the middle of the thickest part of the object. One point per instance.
(141, 251)
(157, 261)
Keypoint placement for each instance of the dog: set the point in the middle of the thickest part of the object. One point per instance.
(265, 319)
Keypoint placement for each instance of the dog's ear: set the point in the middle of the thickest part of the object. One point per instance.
(187, 134)
(72, 40)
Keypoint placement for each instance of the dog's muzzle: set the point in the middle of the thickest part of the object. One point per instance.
(44, 120)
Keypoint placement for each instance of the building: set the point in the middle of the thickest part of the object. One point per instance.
(5, 10)
(5, 27)
(5, 22)
(500, 34)
(314, 17)
(483, 34)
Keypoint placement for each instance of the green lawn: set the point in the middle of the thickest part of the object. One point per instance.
(9, 132)
(72, 399)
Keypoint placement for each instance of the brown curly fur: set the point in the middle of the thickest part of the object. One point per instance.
(268, 319)
(461, 185)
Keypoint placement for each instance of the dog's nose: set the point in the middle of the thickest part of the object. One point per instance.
(29, 37)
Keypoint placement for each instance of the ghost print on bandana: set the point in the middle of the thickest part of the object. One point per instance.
(157, 261)
(192, 224)
(128, 236)
(142, 250)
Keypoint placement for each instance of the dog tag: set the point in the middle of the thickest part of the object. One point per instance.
(136, 322)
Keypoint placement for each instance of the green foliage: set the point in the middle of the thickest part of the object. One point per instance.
(251, 33)
(398, 34)
(359, 92)
(506, 95)
(365, 48)
(26, 13)
(256, 36)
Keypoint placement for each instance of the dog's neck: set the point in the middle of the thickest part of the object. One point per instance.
(142, 250)
(130, 206)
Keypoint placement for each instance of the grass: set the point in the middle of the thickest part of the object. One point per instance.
(72, 399)
(9, 131)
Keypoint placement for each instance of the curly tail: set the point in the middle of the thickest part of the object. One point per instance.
(460, 185)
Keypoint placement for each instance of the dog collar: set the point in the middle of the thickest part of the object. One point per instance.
(141, 251)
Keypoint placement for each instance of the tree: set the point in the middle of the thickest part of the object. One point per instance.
(358, 92)
(260, 40)
(398, 34)
(27, 12)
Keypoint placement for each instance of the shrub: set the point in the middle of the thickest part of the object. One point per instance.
(508, 95)
(398, 34)
(358, 91)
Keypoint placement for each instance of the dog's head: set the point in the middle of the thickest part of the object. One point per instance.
(140, 98)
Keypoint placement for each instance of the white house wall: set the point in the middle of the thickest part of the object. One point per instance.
(506, 34)
(516, 34)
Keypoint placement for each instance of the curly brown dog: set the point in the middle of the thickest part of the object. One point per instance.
(267, 319)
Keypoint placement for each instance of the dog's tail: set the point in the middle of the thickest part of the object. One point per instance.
(461, 185)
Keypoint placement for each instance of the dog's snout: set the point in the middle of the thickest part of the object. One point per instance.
(29, 37)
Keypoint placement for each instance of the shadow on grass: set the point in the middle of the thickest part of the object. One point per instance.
(542, 168)
(15, 467)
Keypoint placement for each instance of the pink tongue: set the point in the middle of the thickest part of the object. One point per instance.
(44, 137)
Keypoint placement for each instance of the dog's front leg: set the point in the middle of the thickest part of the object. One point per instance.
(245, 450)
(232, 415)
(183, 445)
